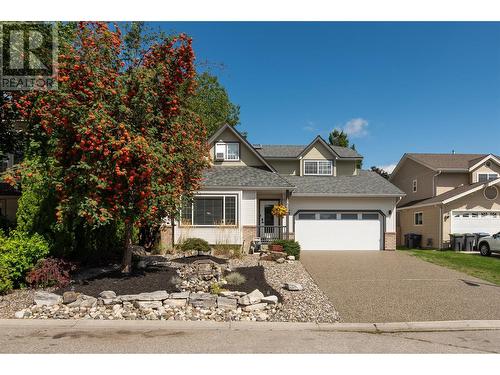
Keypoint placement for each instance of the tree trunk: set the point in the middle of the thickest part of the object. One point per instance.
(127, 255)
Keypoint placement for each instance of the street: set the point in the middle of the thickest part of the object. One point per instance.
(17, 336)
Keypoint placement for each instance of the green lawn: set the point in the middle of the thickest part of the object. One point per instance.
(486, 268)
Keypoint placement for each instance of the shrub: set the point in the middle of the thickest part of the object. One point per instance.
(215, 288)
(19, 252)
(235, 278)
(50, 272)
(195, 244)
(230, 251)
(290, 247)
(5, 283)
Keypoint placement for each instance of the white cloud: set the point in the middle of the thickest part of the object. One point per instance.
(311, 127)
(356, 127)
(388, 168)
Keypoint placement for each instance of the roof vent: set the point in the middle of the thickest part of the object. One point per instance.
(257, 146)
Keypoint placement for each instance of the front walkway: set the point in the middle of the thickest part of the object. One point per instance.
(391, 286)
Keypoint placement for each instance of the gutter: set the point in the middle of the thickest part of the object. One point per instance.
(347, 195)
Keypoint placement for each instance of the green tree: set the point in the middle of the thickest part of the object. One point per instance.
(212, 104)
(338, 138)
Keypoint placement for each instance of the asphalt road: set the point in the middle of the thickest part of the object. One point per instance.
(200, 337)
(392, 286)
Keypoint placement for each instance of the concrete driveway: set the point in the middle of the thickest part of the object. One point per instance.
(392, 286)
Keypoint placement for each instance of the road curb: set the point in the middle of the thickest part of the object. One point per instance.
(456, 325)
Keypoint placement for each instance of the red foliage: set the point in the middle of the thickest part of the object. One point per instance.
(50, 272)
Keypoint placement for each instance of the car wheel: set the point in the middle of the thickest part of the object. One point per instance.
(484, 249)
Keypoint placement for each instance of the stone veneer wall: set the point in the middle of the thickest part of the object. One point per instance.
(249, 233)
(390, 241)
(166, 237)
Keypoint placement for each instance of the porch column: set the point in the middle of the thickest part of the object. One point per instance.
(287, 215)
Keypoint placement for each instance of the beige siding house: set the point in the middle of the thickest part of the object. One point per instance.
(329, 200)
(447, 194)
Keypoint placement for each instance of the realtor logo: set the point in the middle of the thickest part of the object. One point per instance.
(28, 56)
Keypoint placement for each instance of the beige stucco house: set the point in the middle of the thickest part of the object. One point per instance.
(447, 194)
(331, 203)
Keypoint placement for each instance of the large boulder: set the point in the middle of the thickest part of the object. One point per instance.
(107, 294)
(272, 300)
(226, 303)
(84, 301)
(251, 298)
(202, 300)
(69, 297)
(159, 295)
(179, 295)
(47, 299)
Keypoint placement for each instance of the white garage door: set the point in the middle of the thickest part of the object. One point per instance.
(338, 230)
(475, 222)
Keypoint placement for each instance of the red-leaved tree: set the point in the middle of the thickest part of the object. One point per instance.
(124, 145)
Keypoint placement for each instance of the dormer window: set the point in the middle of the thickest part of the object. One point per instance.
(227, 151)
(484, 177)
(317, 167)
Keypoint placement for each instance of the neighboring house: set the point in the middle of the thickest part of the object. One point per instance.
(332, 205)
(8, 195)
(447, 194)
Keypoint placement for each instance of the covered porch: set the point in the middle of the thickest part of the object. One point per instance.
(270, 227)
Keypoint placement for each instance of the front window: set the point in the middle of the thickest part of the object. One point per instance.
(484, 177)
(318, 167)
(227, 151)
(210, 210)
(419, 218)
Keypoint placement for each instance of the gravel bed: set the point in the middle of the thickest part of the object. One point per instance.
(15, 301)
(308, 305)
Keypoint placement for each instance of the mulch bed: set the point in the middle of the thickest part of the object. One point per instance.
(150, 280)
(255, 279)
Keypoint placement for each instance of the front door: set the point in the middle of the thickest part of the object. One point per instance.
(268, 224)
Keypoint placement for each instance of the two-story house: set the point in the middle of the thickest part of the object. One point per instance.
(447, 194)
(331, 203)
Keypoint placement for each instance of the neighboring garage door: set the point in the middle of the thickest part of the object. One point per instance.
(338, 230)
(475, 222)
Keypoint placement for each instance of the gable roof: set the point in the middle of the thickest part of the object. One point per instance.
(295, 151)
(243, 140)
(366, 183)
(243, 176)
(443, 162)
(451, 195)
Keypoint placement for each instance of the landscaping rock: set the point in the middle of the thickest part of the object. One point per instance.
(262, 317)
(280, 260)
(232, 294)
(47, 299)
(148, 304)
(272, 300)
(138, 250)
(179, 295)
(69, 297)
(202, 300)
(142, 264)
(293, 286)
(290, 257)
(256, 307)
(226, 303)
(251, 298)
(22, 313)
(175, 302)
(87, 301)
(159, 295)
(107, 294)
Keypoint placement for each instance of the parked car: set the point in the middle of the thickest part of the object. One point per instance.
(489, 244)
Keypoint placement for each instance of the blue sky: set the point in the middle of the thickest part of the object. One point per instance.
(395, 87)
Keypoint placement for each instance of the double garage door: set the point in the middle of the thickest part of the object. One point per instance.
(475, 222)
(338, 230)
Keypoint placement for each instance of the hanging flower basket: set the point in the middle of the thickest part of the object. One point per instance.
(279, 210)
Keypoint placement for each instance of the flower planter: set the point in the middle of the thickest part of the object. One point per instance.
(276, 248)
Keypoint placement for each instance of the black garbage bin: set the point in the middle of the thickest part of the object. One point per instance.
(458, 242)
(413, 240)
(469, 241)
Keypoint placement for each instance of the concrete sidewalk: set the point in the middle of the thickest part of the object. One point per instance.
(88, 336)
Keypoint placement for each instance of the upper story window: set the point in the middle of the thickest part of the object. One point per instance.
(227, 151)
(318, 167)
(484, 177)
(414, 186)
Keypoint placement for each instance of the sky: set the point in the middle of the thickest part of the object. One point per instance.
(393, 87)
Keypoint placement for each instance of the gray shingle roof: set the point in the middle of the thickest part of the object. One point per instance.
(292, 151)
(242, 176)
(448, 161)
(366, 183)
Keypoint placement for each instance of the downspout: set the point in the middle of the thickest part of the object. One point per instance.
(440, 242)
(434, 183)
